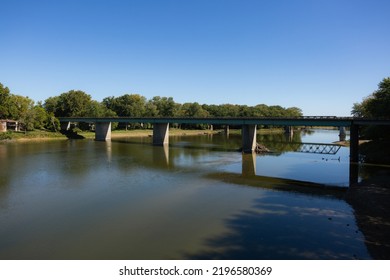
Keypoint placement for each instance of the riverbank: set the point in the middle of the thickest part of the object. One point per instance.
(38, 135)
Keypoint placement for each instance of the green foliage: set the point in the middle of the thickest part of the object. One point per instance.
(376, 105)
(52, 123)
(23, 110)
(74, 103)
(41, 117)
(128, 105)
(77, 103)
(6, 135)
(4, 102)
(165, 106)
(51, 104)
(192, 110)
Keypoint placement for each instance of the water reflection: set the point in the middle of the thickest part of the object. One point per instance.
(161, 156)
(298, 228)
(249, 165)
(197, 198)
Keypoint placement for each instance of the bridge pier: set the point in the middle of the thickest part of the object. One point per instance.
(160, 134)
(342, 134)
(65, 125)
(227, 130)
(289, 133)
(102, 131)
(354, 143)
(248, 132)
(288, 130)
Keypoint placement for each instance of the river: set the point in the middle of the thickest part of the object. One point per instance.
(196, 199)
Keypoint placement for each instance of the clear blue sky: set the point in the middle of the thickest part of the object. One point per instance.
(319, 55)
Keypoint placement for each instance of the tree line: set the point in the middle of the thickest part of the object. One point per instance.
(375, 105)
(77, 103)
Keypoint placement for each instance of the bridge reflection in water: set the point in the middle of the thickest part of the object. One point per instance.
(249, 171)
(314, 148)
(161, 159)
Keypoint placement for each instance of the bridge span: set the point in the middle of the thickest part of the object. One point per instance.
(249, 126)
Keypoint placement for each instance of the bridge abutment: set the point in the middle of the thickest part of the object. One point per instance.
(103, 131)
(248, 138)
(160, 134)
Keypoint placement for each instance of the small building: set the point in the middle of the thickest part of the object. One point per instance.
(9, 125)
(3, 125)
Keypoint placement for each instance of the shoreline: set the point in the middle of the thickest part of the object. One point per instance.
(51, 136)
(38, 135)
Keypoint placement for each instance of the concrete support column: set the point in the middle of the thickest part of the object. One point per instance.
(248, 138)
(354, 144)
(160, 134)
(343, 133)
(227, 130)
(65, 125)
(103, 131)
(289, 130)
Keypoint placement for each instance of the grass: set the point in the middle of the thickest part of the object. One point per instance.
(46, 135)
(30, 135)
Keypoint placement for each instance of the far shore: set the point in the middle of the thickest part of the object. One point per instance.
(40, 135)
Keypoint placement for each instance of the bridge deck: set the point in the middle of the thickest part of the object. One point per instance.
(302, 121)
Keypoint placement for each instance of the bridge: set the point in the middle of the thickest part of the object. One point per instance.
(249, 126)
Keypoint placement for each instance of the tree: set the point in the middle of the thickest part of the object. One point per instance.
(4, 101)
(193, 110)
(376, 105)
(166, 106)
(128, 105)
(21, 108)
(40, 117)
(97, 109)
(74, 103)
(51, 104)
(151, 109)
(293, 112)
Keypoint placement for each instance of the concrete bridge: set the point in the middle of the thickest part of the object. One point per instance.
(249, 126)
